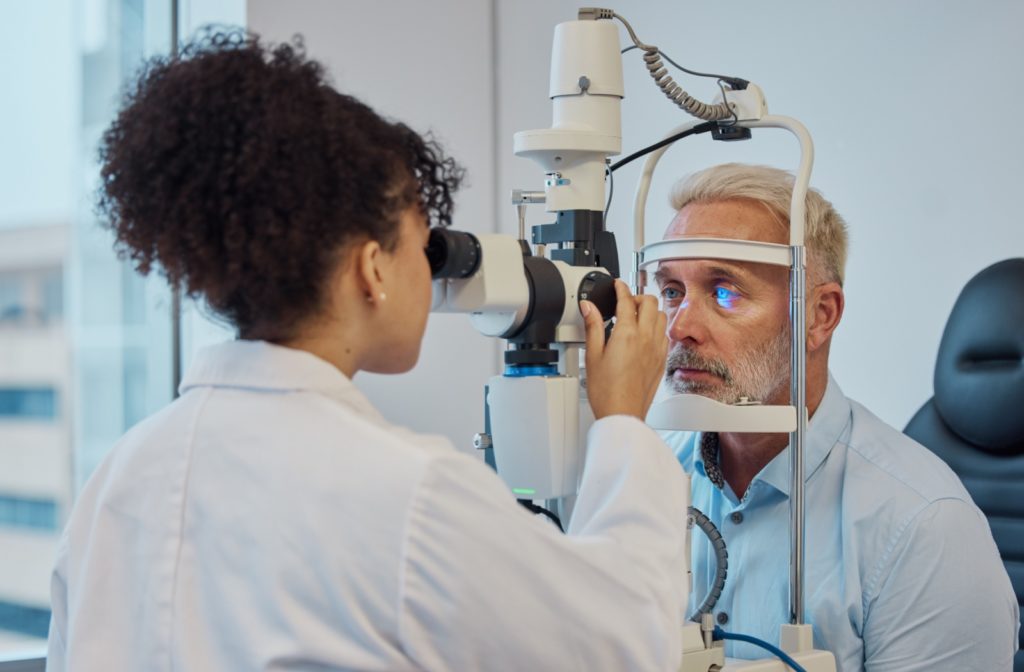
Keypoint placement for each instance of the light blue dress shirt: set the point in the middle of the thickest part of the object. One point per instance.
(901, 569)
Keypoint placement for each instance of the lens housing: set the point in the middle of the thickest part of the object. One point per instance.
(453, 254)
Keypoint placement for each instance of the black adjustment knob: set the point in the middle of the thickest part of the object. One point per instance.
(599, 288)
(531, 356)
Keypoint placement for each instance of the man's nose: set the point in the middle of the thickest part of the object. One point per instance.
(687, 323)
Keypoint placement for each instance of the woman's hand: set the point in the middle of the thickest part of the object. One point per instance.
(623, 373)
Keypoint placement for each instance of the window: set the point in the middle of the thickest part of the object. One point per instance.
(37, 514)
(21, 619)
(28, 403)
(31, 296)
(11, 303)
(85, 343)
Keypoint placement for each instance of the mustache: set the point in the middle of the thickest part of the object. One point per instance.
(681, 357)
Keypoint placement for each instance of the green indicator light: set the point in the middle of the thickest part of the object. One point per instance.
(523, 491)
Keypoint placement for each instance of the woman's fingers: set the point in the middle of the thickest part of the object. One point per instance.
(594, 323)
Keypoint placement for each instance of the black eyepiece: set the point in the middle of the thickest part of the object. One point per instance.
(453, 254)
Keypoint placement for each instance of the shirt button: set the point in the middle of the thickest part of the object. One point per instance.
(736, 517)
(722, 618)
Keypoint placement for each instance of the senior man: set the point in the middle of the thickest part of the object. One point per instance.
(901, 569)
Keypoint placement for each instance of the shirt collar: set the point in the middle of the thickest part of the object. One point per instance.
(707, 449)
(830, 419)
(258, 365)
(698, 455)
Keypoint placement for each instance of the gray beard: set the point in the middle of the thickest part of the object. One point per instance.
(756, 374)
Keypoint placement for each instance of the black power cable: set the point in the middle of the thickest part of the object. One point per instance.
(705, 525)
(734, 82)
(533, 508)
(699, 128)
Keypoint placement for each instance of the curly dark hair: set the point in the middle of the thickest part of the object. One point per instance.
(241, 173)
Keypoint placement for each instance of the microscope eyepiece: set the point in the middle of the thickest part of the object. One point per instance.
(453, 254)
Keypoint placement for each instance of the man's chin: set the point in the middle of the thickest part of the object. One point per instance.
(695, 387)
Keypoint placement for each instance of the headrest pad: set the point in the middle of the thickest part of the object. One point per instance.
(979, 374)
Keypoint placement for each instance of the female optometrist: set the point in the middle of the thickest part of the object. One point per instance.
(270, 518)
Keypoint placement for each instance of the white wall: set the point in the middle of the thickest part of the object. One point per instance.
(428, 64)
(911, 107)
(905, 101)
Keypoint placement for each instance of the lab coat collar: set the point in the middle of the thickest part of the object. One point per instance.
(258, 365)
(830, 420)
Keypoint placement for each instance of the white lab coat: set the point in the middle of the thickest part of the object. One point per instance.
(271, 519)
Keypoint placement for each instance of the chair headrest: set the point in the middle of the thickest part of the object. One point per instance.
(979, 374)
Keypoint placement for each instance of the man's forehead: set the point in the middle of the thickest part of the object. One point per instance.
(736, 219)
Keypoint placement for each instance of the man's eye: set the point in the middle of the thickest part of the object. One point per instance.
(726, 298)
(671, 294)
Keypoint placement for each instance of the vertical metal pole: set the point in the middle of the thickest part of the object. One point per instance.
(798, 395)
(176, 354)
(639, 277)
(569, 365)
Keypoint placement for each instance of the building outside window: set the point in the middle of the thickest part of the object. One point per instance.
(86, 346)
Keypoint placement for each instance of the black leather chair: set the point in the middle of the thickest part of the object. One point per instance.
(975, 421)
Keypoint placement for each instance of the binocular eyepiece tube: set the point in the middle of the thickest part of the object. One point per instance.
(453, 254)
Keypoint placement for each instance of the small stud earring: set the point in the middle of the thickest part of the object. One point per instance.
(383, 296)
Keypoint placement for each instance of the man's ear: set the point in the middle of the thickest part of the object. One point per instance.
(368, 260)
(824, 310)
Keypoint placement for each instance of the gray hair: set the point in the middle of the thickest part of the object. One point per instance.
(825, 232)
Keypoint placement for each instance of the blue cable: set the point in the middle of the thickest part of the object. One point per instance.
(718, 633)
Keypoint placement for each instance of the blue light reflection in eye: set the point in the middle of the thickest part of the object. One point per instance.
(726, 298)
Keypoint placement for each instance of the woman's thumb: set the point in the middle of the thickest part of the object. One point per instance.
(594, 323)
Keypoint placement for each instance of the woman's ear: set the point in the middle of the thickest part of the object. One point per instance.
(369, 271)
(824, 310)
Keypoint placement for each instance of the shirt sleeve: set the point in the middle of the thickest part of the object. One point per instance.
(486, 586)
(947, 602)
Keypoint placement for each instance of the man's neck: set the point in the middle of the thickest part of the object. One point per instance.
(742, 456)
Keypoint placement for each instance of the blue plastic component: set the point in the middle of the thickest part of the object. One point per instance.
(523, 370)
